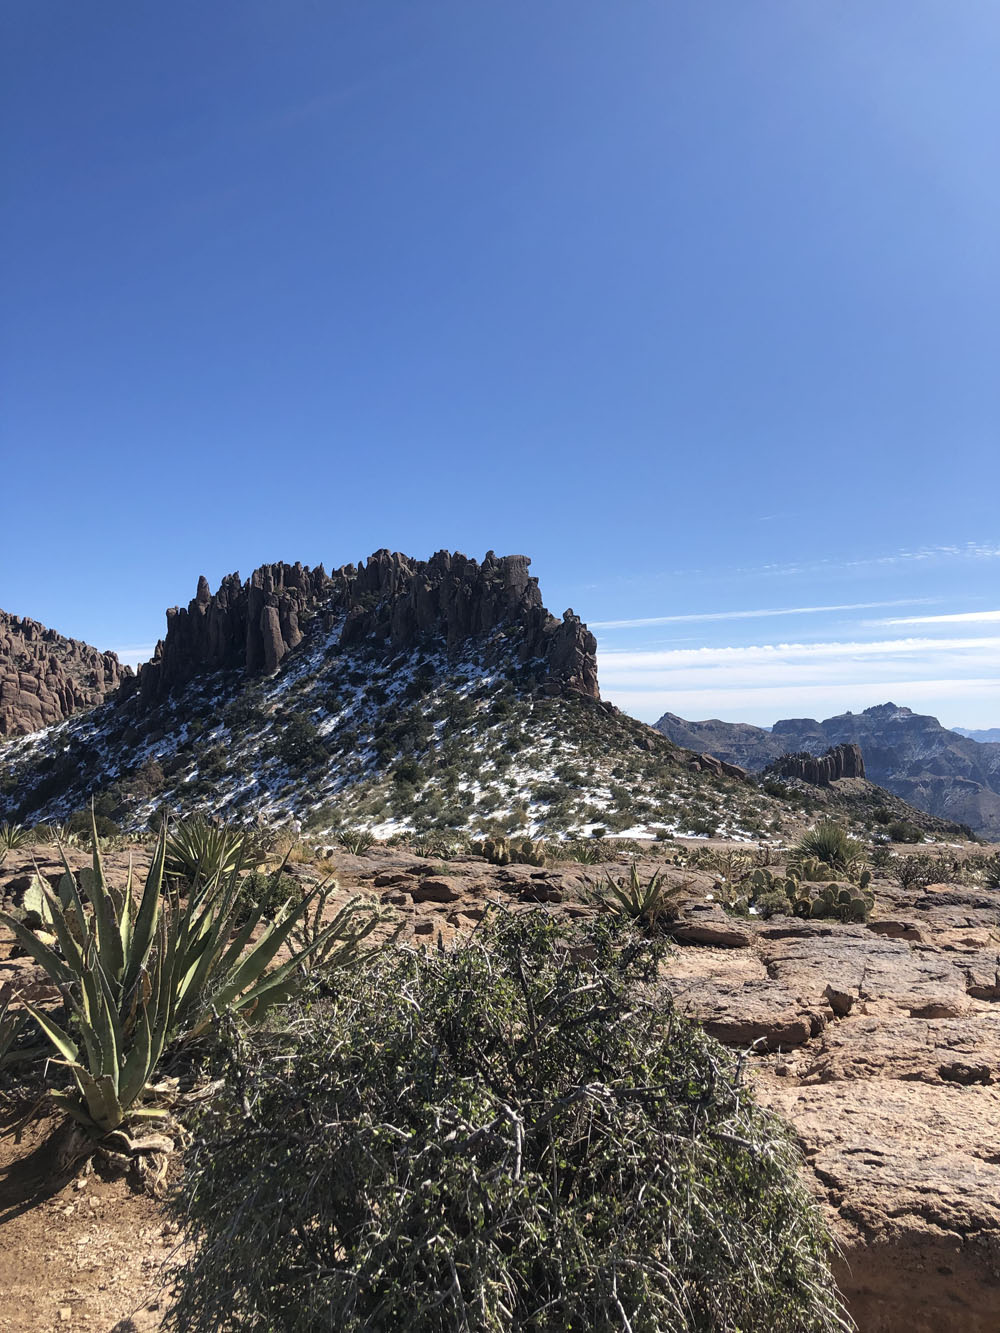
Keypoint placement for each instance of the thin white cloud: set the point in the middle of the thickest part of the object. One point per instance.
(920, 554)
(962, 618)
(135, 654)
(765, 681)
(775, 654)
(764, 613)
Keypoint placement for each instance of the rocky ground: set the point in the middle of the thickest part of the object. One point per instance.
(879, 1043)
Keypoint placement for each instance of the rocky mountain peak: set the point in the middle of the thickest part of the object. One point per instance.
(45, 677)
(390, 599)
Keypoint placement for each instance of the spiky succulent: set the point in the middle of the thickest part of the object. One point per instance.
(138, 974)
(651, 904)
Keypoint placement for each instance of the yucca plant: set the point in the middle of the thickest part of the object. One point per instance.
(830, 845)
(199, 850)
(587, 853)
(13, 836)
(357, 842)
(652, 904)
(137, 975)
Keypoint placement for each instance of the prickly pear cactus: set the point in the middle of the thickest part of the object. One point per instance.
(528, 852)
(494, 850)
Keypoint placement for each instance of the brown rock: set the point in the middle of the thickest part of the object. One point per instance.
(706, 923)
(390, 599)
(432, 890)
(45, 677)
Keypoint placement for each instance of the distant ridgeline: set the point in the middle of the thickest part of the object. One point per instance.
(397, 695)
(943, 772)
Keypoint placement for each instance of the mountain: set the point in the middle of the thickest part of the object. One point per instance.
(991, 736)
(45, 677)
(396, 695)
(912, 755)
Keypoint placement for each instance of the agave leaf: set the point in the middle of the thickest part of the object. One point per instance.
(253, 964)
(109, 940)
(139, 940)
(61, 1040)
(38, 949)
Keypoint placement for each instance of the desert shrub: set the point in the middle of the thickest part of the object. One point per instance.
(903, 830)
(265, 894)
(299, 742)
(914, 872)
(518, 1134)
(773, 902)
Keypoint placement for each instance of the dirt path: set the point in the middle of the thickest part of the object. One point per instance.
(83, 1254)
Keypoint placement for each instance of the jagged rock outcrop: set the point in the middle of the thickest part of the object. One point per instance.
(840, 761)
(45, 677)
(390, 599)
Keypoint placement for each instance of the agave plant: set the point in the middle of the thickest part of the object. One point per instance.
(138, 975)
(651, 904)
(13, 836)
(199, 850)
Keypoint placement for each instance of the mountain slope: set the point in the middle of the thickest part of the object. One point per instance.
(395, 695)
(45, 677)
(911, 755)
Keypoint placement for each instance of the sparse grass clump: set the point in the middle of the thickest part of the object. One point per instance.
(519, 1134)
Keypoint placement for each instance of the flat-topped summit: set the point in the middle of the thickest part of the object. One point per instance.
(389, 599)
(45, 677)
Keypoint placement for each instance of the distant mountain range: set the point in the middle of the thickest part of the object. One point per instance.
(991, 736)
(948, 773)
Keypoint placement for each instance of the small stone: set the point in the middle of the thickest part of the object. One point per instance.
(65, 1314)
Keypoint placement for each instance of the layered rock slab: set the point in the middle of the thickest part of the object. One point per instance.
(881, 1046)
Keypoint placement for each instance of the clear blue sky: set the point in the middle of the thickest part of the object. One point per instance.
(697, 304)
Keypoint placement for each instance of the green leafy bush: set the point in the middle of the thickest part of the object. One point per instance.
(519, 1134)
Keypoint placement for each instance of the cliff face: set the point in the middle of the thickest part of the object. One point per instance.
(390, 599)
(45, 677)
(840, 761)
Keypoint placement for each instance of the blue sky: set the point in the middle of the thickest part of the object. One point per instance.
(698, 305)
